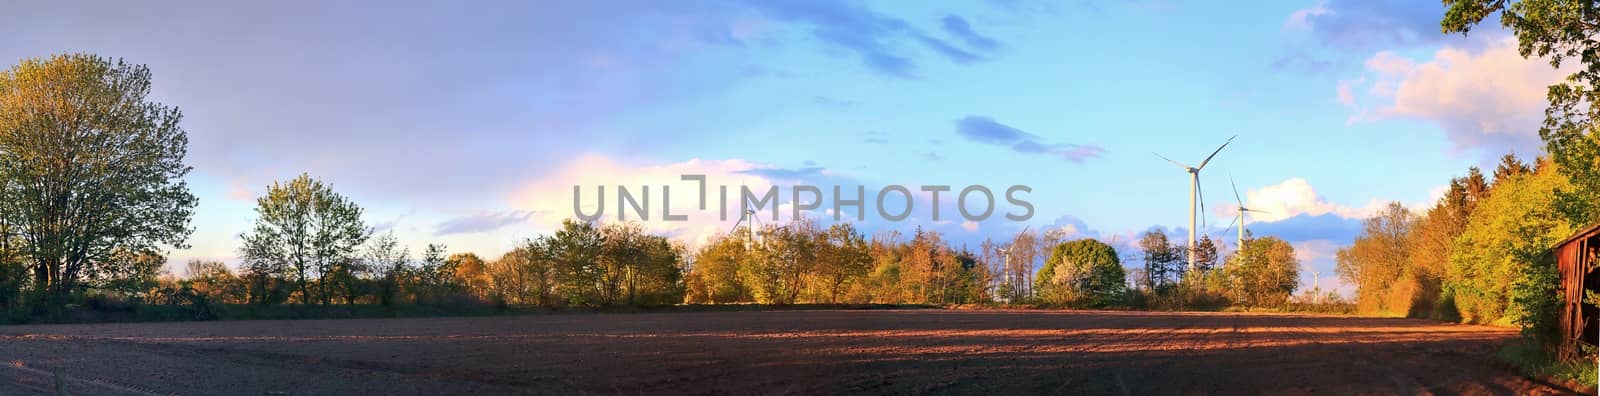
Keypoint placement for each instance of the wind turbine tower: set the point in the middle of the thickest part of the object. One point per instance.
(1196, 198)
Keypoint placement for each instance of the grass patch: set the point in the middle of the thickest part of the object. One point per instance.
(1538, 363)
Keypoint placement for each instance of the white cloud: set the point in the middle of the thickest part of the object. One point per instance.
(1491, 99)
(1295, 197)
(1292, 197)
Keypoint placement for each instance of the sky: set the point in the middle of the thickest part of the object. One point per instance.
(469, 124)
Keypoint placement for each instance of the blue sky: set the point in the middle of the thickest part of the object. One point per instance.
(467, 124)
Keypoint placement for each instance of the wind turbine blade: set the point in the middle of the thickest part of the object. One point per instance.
(1214, 153)
(1202, 214)
(1231, 223)
(1235, 191)
(1014, 244)
(1179, 164)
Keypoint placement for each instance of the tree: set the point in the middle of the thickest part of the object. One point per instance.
(843, 259)
(715, 276)
(1431, 241)
(1499, 267)
(215, 281)
(1559, 30)
(1084, 270)
(1510, 167)
(346, 278)
(657, 278)
(436, 276)
(131, 273)
(1380, 256)
(304, 229)
(472, 272)
(526, 274)
(575, 250)
(1023, 251)
(390, 264)
(1205, 255)
(776, 271)
(13, 275)
(1161, 259)
(88, 167)
(1264, 272)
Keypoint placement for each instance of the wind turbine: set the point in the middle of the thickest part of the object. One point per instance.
(746, 213)
(1241, 219)
(1005, 256)
(1316, 284)
(1195, 197)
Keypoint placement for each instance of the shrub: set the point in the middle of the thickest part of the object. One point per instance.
(1084, 271)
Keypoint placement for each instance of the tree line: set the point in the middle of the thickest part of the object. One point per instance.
(1480, 254)
(92, 175)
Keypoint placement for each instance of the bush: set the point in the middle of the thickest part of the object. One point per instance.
(1084, 272)
(107, 302)
(1181, 297)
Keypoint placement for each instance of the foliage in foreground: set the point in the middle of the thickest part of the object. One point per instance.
(1535, 360)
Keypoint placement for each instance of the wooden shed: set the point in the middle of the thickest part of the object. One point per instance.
(1577, 258)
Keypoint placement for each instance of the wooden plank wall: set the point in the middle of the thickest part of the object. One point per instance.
(1575, 260)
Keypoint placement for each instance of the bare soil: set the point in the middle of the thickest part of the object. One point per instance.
(772, 352)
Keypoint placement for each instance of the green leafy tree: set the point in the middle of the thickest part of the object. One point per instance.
(776, 272)
(635, 265)
(657, 278)
(129, 273)
(347, 279)
(1499, 268)
(843, 260)
(88, 166)
(436, 276)
(1084, 270)
(1264, 273)
(714, 278)
(1558, 30)
(575, 250)
(304, 229)
(13, 276)
(1431, 243)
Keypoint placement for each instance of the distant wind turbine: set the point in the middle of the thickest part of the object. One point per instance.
(1005, 256)
(1196, 199)
(1243, 211)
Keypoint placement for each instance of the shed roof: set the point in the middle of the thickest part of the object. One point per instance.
(1584, 233)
